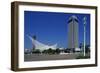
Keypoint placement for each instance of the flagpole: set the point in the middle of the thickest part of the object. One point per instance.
(84, 34)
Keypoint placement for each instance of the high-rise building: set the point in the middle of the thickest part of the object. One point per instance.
(73, 33)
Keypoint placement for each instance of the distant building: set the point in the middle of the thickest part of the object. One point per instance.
(27, 51)
(73, 33)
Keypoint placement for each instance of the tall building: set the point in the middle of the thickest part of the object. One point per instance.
(73, 33)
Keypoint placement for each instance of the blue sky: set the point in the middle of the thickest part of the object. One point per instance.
(52, 27)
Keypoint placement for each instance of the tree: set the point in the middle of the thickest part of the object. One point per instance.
(36, 51)
(87, 48)
(67, 50)
(44, 51)
(49, 51)
(57, 51)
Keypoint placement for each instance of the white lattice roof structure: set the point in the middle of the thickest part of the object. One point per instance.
(41, 46)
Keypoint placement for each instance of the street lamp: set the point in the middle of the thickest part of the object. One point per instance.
(84, 23)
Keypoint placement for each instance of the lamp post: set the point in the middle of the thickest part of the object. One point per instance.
(84, 23)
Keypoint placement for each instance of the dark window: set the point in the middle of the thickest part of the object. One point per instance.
(76, 20)
(69, 20)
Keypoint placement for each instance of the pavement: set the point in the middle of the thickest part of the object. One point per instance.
(42, 57)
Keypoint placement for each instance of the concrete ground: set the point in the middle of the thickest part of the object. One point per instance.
(41, 57)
